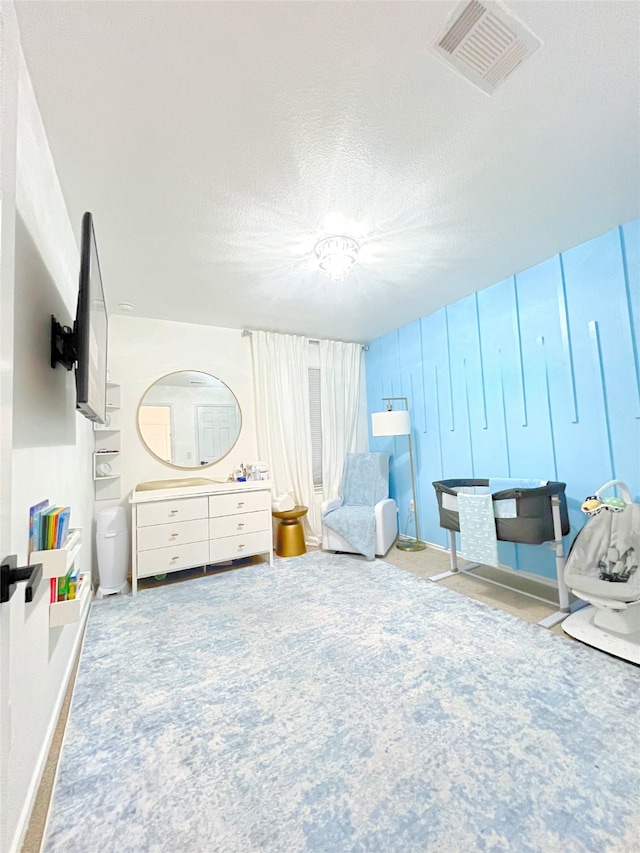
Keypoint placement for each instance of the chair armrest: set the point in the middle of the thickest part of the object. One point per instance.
(386, 508)
(333, 503)
(386, 515)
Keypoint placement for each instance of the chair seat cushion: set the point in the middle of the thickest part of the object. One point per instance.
(357, 525)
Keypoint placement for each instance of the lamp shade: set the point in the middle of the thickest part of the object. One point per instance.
(391, 423)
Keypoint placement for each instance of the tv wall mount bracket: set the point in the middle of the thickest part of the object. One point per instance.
(63, 345)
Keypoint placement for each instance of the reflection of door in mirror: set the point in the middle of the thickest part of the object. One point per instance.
(217, 431)
(189, 419)
(155, 426)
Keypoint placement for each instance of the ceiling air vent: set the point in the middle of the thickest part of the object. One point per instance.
(484, 43)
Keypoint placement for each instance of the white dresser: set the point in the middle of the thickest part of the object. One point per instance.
(179, 524)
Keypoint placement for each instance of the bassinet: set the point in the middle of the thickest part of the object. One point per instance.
(522, 515)
(529, 516)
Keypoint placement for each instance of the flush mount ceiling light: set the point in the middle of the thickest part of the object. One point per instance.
(336, 255)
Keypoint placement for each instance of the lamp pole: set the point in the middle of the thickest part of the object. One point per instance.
(404, 545)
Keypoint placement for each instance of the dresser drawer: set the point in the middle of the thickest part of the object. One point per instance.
(239, 502)
(180, 533)
(182, 509)
(230, 547)
(244, 522)
(161, 560)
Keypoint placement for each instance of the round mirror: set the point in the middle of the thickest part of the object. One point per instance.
(189, 419)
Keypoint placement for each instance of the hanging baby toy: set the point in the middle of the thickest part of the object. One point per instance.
(594, 505)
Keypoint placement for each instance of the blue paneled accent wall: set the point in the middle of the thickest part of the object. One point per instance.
(536, 377)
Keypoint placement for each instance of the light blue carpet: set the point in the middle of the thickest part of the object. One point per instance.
(328, 705)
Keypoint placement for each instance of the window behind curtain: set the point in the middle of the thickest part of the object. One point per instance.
(316, 425)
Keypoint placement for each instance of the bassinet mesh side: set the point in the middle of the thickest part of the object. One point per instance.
(534, 522)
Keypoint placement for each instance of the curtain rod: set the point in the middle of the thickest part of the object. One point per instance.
(246, 333)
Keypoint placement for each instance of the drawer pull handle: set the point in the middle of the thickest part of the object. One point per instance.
(175, 558)
(240, 547)
(240, 524)
(173, 535)
(240, 503)
(173, 511)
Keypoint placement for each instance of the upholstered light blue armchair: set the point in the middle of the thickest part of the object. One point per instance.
(364, 520)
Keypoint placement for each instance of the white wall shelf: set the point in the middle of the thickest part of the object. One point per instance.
(107, 448)
(113, 395)
(66, 612)
(107, 488)
(56, 563)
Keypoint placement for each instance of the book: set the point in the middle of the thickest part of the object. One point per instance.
(35, 513)
(73, 586)
(62, 588)
(54, 525)
(63, 526)
(46, 528)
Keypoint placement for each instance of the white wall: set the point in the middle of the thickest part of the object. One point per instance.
(9, 55)
(143, 350)
(50, 450)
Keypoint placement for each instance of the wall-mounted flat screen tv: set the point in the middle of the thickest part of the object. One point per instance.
(86, 345)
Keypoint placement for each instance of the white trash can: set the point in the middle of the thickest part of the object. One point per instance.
(112, 546)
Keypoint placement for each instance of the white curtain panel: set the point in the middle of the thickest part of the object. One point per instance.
(340, 378)
(281, 373)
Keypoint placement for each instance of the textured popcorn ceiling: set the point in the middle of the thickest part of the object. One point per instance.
(210, 140)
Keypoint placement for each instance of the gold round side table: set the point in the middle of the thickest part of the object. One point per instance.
(290, 535)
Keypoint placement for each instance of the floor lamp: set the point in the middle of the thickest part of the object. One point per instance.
(392, 422)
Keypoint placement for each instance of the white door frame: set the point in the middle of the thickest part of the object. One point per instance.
(170, 442)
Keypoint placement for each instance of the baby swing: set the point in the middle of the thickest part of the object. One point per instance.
(603, 569)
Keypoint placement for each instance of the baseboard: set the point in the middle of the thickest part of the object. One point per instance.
(25, 816)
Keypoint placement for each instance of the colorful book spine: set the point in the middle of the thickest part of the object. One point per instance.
(48, 526)
(73, 586)
(49, 529)
(35, 515)
(54, 526)
(63, 526)
(63, 587)
(44, 528)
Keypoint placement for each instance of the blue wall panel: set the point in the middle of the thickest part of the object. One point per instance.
(436, 406)
(630, 246)
(537, 376)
